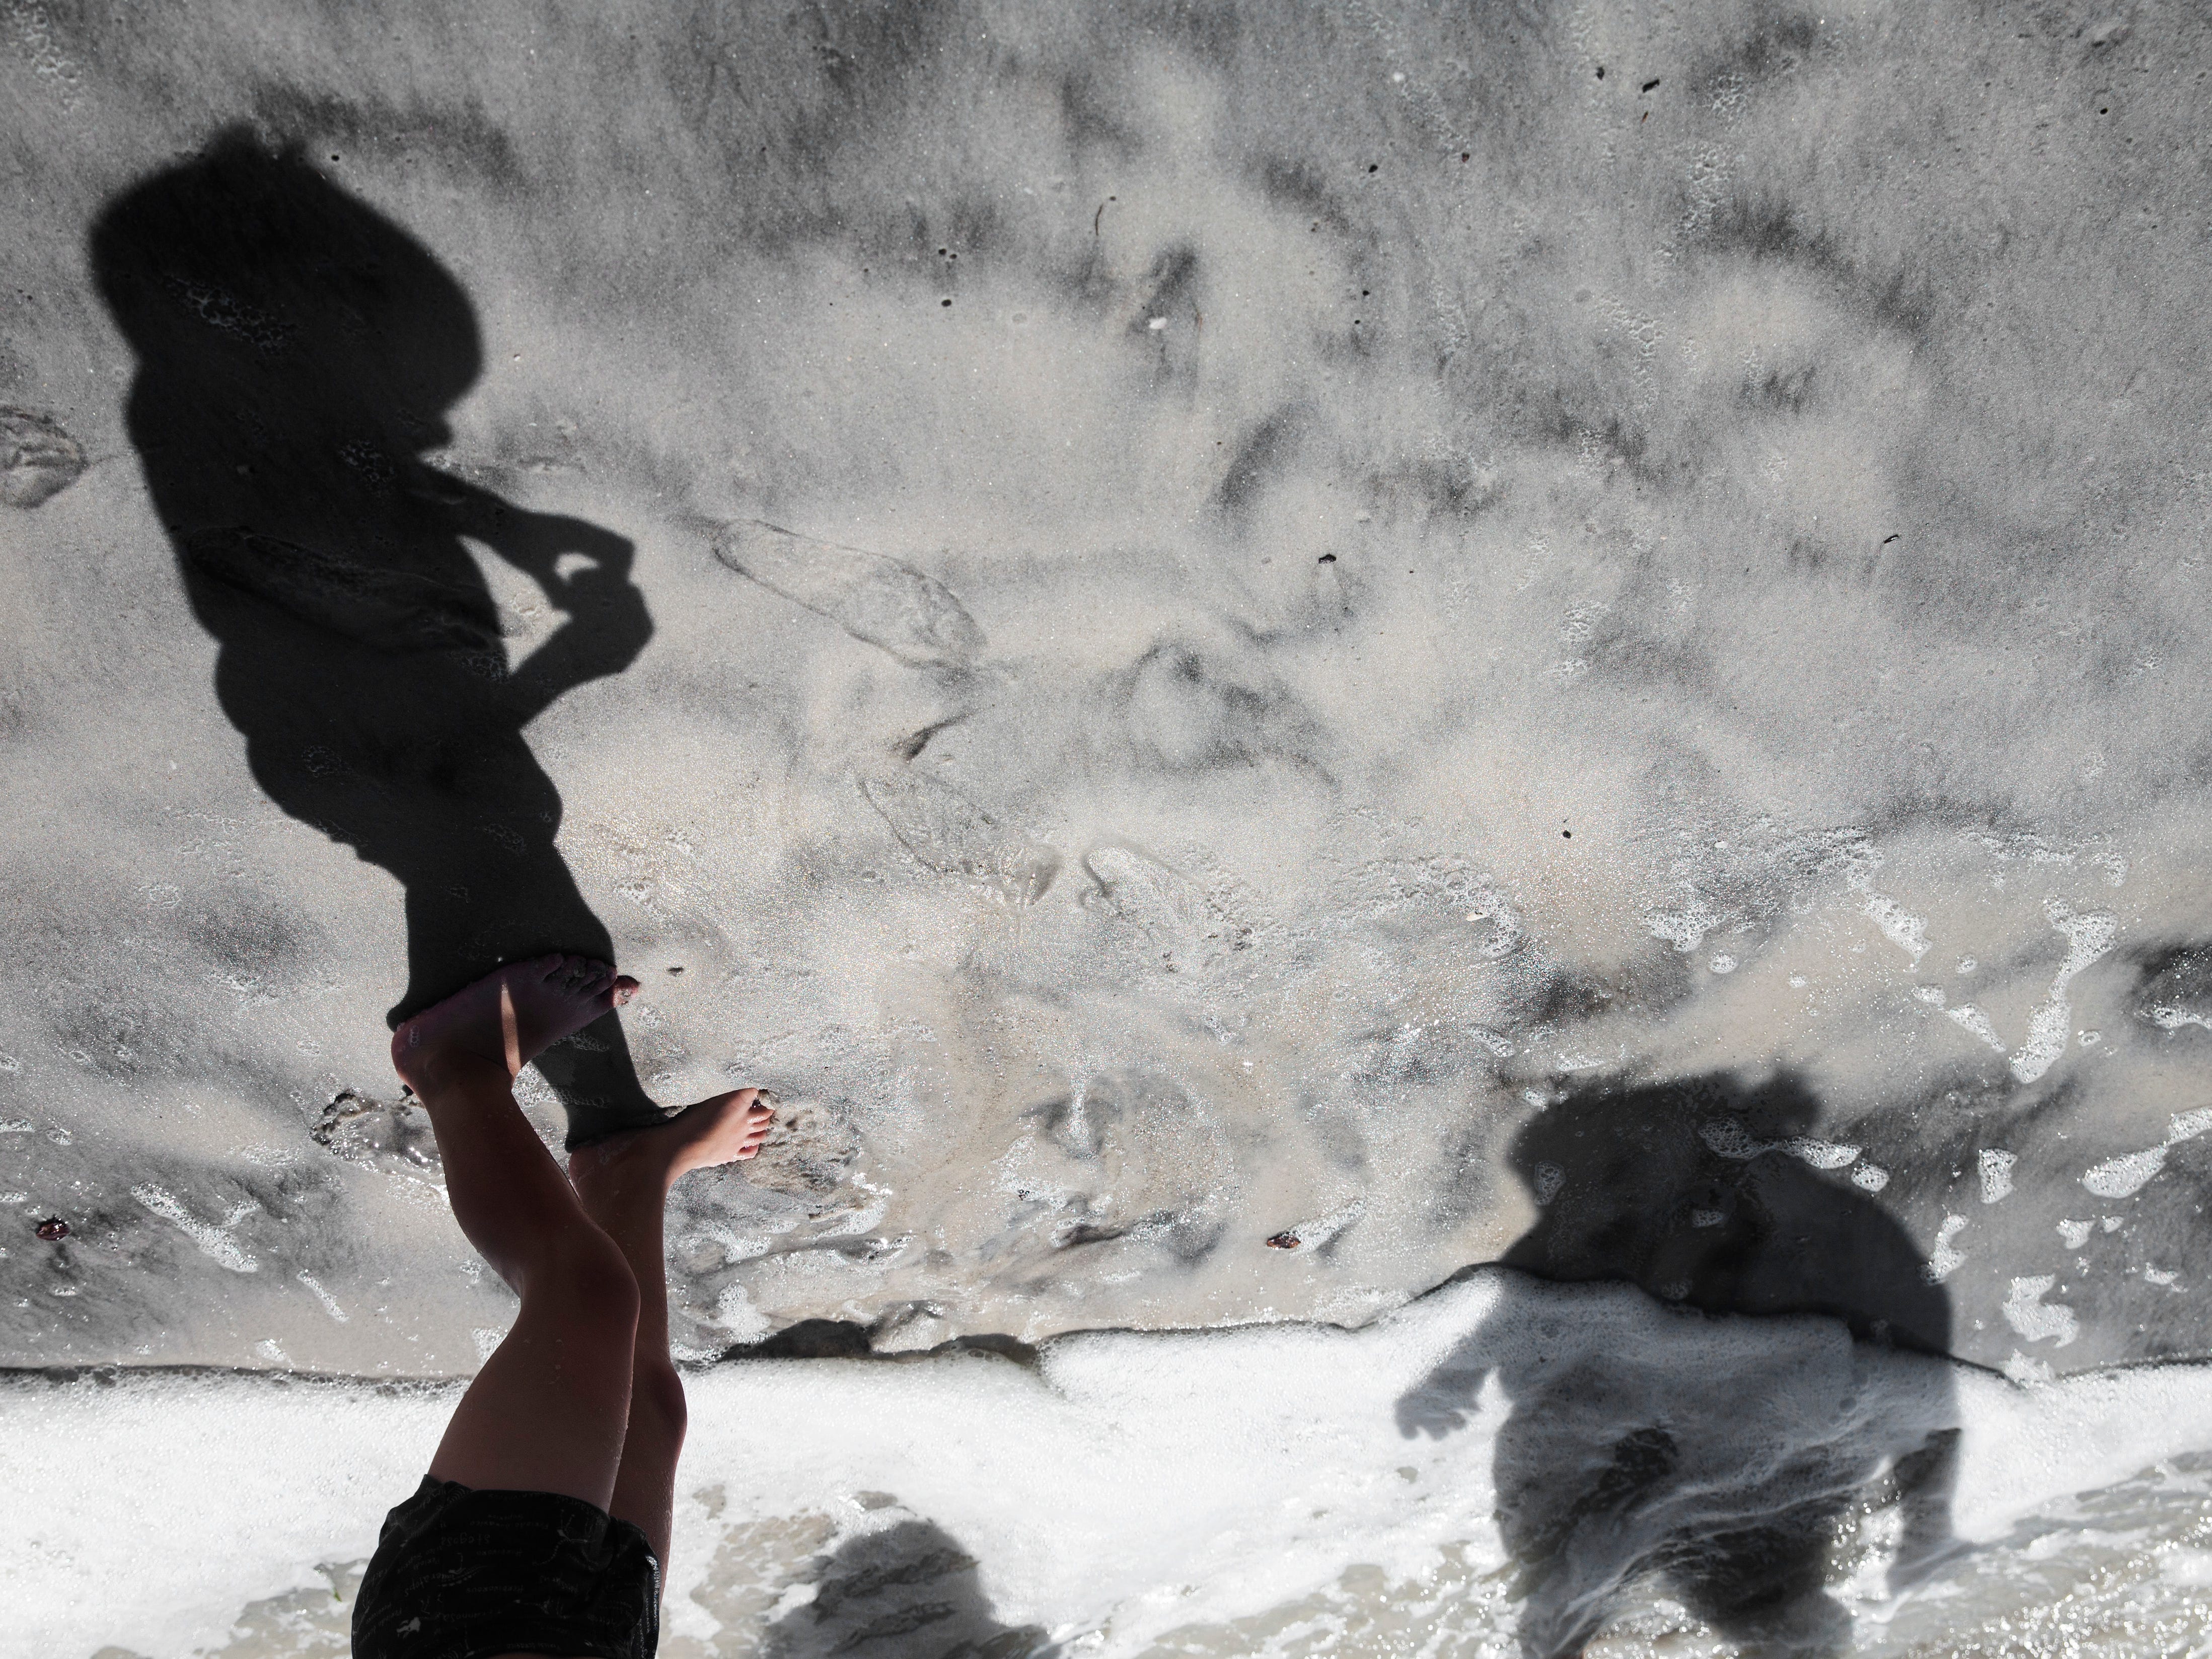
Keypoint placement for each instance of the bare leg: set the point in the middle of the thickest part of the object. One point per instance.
(623, 1183)
(548, 1410)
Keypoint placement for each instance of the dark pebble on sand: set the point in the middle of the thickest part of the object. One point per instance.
(1283, 1242)
(53, 1227)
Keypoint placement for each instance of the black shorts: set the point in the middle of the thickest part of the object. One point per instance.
(460, 1573)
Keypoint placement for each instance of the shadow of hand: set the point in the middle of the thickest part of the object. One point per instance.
(1444, 1402)
(537, 543)
(608, 623)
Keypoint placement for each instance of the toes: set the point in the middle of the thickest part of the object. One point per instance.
(625, 987)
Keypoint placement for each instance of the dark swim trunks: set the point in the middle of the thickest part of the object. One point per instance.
(460, 1573)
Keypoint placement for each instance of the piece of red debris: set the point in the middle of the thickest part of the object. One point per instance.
(53, 1227)
(1283, 1242)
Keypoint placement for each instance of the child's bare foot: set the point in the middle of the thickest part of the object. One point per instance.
(722, 1129)
(508, 1017)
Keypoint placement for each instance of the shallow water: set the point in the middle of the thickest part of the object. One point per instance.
(1501, 1468)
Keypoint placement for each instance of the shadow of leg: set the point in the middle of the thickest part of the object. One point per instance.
(597, 1082)
(486, 885)
(453, 940)
(1925, 1480)
(1764, 1586)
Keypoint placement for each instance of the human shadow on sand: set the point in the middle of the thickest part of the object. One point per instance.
(1617, 1466)
(908, 1592)
(297, 353)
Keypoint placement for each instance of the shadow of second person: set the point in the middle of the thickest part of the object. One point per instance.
(297, 352)
(1723, 1458)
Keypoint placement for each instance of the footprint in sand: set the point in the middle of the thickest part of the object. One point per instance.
(1447, 893)
(809, 1156)
(37, 460)
(1184, 929)
(951, 835)
(877, 600)
(1129, 1157)
(362, 1129)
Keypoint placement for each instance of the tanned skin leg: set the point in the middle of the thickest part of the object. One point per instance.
(581, 1398)
(623, 1182)
(548, 1410)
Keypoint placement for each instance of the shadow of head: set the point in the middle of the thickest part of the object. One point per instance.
(246, 279)
(908, 1592)
(1715, 1193)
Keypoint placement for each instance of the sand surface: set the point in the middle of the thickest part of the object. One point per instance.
(1290, 648)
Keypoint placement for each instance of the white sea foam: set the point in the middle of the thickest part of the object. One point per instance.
(1996, 1170)
(1946, 1258)
(1128, 1489)
(2167, 1016)
(2089, 937)
(214, 1241)
(330, 1303)
(1899, 926)
(1970, 1018)
(2125, 1175)
(2037, 1321)
(2130, 1172)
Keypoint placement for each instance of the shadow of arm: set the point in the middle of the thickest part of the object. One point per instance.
(608, 626)
(608, 623)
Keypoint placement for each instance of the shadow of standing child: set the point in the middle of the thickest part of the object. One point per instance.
(297, 353)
